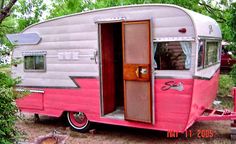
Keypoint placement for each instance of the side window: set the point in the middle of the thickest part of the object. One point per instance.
(34, 63)
(211, 53)
(172, 55)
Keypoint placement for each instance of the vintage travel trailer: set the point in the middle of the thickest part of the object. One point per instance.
(144, 66)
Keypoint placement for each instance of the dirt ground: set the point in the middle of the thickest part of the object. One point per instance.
(108, 134)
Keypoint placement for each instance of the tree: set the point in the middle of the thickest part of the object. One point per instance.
(65, 7)
(5, 9)
(232, 25)
(8, 110)
(28, 13)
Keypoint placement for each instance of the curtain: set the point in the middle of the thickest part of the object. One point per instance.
(187, 49)
(154, 53)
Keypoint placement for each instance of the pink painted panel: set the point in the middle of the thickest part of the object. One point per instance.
(171, 106)
(204, 93)
(32, 101)
(55, 101)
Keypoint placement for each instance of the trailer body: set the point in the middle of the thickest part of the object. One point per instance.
(144, 66)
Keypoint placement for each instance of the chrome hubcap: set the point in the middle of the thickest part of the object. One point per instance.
(79, 117)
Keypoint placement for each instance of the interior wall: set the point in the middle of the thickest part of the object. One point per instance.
(112, 66)
(108, 81)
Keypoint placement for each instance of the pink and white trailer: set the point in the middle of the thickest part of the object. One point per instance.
(144, 66)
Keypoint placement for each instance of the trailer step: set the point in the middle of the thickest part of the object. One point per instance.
(212, 114)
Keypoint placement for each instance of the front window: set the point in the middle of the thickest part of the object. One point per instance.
(34, 63)
(172, 55)
(211, 53)
(208, 53)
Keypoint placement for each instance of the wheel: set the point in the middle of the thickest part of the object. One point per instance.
(78, 121)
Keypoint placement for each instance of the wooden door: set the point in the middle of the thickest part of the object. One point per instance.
(137, 71)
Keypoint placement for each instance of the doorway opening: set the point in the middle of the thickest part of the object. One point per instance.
(112, 70)
(126, 76)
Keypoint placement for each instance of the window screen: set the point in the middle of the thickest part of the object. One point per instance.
(34, 63)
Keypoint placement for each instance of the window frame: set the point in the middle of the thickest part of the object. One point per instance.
(205, 53)
(35, 70)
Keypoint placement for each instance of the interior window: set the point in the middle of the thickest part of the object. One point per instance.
(172, 55)
(201, 54)
(34, 63)
(211, 53)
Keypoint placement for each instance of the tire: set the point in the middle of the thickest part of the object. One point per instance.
(78, 121)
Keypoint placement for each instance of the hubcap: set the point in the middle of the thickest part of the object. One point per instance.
(79, 117)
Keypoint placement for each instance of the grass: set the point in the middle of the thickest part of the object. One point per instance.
(226, 102)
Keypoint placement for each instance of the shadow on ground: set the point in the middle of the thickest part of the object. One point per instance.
(103, 133)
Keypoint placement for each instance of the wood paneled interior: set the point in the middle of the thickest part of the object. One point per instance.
(112, 67)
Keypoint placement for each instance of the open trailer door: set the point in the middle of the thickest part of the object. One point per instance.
(137, 75)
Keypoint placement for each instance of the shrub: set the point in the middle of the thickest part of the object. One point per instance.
(8, 109)
(233, 74)
(226, 83)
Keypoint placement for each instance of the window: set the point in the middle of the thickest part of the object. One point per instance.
(211, 53)
(34, 63)
(201, 54)
(173, 55)
(208, 53)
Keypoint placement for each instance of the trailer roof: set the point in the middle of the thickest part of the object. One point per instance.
(204, 26)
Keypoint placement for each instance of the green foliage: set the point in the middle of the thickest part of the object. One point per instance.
(65, 7)
(8, 109)
(232, 24)
(233, 74)
(226, 83)
(28, 13)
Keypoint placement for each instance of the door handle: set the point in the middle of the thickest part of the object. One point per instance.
(137, 72)
(95, 54)
(143, 71)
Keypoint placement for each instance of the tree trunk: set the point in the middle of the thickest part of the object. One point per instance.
(5, 11)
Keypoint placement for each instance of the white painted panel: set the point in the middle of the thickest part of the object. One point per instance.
(78, 33)
(207, 72)
(79, 61)
(180, 21)
(47, 82)
(54, 52)
(172, 32)
(173, 73)
(65, 29)
(70, 37)
(64, 45)
(72, 67)
(54, 75)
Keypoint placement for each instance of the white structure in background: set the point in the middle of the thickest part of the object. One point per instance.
(4, 59)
